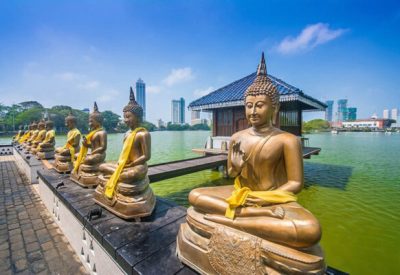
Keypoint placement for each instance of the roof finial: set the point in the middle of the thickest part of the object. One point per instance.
(132, 95)
(95, 108)
(262, 68)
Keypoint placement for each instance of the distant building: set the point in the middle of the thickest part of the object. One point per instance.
(195, 117)
(141, 95)
(380, 123)
(160, 123)
(329, 110)
(351, 114)
(178, 111)
(394, 113)
(386, 113)
(86, 110)
(342, 110)
(199, 121)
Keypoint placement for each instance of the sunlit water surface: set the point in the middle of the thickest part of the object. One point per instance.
(353, 187)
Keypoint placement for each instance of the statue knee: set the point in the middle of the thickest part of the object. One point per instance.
(309, 235)
(193, 196)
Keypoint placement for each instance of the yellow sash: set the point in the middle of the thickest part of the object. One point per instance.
(84, 149)
(33, 136)
(41, 134)
(70, 140)
(240, 194)
(25, 136)
(123, 157)
(49, 135)
(17, 136)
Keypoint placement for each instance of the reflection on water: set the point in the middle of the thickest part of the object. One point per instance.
(352, 187)
(327, 175)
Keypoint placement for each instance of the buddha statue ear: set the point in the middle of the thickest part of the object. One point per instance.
(275, 116)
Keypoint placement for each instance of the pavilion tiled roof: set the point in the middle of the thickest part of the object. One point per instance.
(233, 94)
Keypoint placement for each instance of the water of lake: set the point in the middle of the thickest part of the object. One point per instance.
(353, 187)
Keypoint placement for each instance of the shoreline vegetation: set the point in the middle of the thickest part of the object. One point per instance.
(22, 114)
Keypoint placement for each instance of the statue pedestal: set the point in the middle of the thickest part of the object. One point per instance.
(212, 248)
(45, 155)
(63, 164)
(130, 200)
(86, 175)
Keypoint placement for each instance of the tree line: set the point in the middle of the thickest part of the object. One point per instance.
(12, 117)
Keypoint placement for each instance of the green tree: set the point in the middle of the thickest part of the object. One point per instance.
(315, 125)
(149, 126)
(111, 121)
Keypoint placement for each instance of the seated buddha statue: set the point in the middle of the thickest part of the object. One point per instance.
(34, 133)
(65, 155)
(39, 138)
(45, 149)
(24, 137)
(86, 166)
(255, 226)
(20, 133)
(124, 186)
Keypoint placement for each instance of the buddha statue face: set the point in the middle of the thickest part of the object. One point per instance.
(70, 122)
(34, 126)
(49, 125)
(95, 121)
(41, 125)
(260, 111)
(131, 120)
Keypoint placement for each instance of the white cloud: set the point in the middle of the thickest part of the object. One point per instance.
(89, 85)
(202, 92)
(153, 89)
(68, 76)
(310, 37)
(108, 96)
(178, 76)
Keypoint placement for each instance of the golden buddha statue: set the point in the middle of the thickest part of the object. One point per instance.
(32, 136)
(25, 136)
(255, 226)
(45, 149)
(65, 155)
(124, 187)
(86, 165)
(39, 138)
(19, 135)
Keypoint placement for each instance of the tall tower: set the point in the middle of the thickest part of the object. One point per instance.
(141, 95)
(329, 110)
(386, 113)
(352, 114)
(342, 110)
(178, 111)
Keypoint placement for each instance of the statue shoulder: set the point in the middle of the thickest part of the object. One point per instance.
(290, 140)
(239, 134)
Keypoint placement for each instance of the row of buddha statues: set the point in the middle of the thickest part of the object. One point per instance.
(253, 227)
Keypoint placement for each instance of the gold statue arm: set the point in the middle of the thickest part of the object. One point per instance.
(102, 141)
(236, 159)
(292, 151)
(145, 144)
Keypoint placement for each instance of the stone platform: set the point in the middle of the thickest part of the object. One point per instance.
(30, 241)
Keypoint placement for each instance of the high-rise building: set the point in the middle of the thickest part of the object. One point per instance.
(351, 114)
(195, 117)
(342, 110)
(394, 113)
(160, 123)
(178, 111)
(141, 95)
(386, 113)
(329, 110)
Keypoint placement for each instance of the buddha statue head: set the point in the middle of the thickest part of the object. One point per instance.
(41, 125)
(34, 125)
(133, 112)
(49, 125)
(262, 99)
(95, 118)
(70, 121)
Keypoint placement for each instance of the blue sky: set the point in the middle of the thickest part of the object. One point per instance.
(76, 52)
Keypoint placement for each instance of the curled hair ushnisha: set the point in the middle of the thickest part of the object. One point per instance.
(262, 85)
(71, 117)
(134, 107)
(96, 114)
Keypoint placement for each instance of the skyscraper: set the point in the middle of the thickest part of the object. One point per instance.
(394, 113)
(329, 110)
(386, 113)
(351, 113)
(178, 111)
(141, 95)
(342, 110)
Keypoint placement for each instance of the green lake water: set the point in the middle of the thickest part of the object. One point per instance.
(352, 187)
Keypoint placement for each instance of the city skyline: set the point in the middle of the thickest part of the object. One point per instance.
(57, 55)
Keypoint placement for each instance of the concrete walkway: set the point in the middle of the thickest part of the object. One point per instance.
(30, 242)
